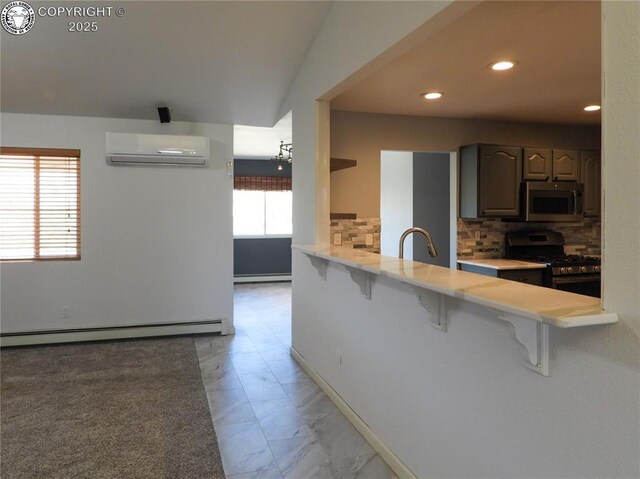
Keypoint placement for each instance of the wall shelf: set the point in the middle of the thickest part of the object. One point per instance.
(337, 164)
(342, 216)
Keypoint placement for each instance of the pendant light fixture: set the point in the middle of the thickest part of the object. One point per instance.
(285, 153)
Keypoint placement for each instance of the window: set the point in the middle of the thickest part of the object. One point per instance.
(262, 206)
(248, 213)
(39, 204)
(277, 212)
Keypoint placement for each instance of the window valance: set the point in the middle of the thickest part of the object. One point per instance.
(262, 183)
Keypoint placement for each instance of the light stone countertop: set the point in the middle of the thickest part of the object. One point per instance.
(546, 305)
(502, 264)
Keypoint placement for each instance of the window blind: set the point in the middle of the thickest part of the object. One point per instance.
(262, 183)
(39, 204)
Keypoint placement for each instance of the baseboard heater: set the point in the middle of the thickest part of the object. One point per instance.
(115, 332)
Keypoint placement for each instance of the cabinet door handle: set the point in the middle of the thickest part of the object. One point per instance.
(555, 178)
(523, 280)
(547, 178)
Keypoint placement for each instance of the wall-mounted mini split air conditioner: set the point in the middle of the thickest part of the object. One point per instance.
(156, 150)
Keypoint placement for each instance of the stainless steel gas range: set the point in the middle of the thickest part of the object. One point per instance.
(573, 273)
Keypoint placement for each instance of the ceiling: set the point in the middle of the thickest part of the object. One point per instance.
(257, 143)
(557, 45)
(222, 62)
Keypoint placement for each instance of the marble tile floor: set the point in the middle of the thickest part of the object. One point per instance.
(271, 419)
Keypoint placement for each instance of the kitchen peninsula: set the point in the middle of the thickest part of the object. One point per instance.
(396, 339)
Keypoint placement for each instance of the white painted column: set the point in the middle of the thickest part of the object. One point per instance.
(620, 164)
(396, 201)
(323, 181)
(453, 209)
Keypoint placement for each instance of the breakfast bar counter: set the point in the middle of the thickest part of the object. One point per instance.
(549, 306)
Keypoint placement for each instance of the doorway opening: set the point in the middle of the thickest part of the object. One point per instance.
(262, 203)
(418, 189)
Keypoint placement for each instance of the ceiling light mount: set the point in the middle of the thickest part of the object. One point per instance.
(503, 65)
(432, 95)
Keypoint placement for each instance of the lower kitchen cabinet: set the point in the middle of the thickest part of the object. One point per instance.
(529, 276)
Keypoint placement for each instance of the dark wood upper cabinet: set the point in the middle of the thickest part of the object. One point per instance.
(590, 176)
(536, 164)
(490, 181)
(566, 165)
(490, 177)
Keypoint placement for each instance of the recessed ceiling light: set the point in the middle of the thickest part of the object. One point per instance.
(503, 65)
(592, 108)
(432, 95)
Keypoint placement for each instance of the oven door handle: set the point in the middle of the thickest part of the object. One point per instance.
(576, 279)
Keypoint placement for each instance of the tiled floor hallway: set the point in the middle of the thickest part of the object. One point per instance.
(271, 420)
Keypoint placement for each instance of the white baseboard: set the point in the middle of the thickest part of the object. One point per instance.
(387, 455)
(123, 332)
(261, 279)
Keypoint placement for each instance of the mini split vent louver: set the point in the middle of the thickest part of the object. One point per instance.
(156, 150)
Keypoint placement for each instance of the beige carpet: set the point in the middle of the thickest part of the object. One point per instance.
(122, 409)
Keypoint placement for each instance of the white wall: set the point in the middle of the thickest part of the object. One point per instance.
(462, 404)
(396, 201)
(353, 35)
(465, 401)
(156, 242)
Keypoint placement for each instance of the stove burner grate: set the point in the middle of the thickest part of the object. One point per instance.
(563, 259)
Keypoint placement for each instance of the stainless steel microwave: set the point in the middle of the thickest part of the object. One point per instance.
(542, 201)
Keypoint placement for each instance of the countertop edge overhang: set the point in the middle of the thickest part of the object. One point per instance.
(544, 305)
(502, 264)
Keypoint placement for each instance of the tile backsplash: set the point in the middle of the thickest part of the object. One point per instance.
(477, 238)
(485, 238)
(354, 233)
